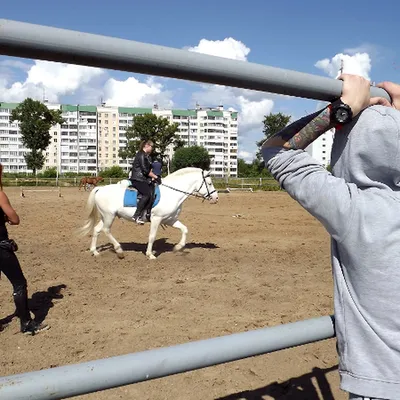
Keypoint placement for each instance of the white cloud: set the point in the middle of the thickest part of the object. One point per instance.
(56, 79)
(227, 48)
(246, 155)
(132, 92)
(252, 112)
(88, 84)
(356, 64)
(61, 78)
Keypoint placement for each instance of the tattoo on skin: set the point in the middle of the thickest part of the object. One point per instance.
(315, 128)
(301, 133)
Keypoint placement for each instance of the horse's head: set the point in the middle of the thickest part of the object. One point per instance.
(207, 189)
(99, 179)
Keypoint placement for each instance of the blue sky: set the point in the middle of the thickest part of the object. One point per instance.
(286, 34)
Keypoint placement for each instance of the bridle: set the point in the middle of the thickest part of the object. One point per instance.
(195, 192)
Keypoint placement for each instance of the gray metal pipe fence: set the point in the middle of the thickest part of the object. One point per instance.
(73, 380)
(39, 42)
(21, 39)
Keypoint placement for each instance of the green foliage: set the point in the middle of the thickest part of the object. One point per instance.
(50, 173)
(273, 123)
(35, 121)
(34, 160)
(192, 156)
(150, 127)
(72, 174)
(179, 143)
(253, 169)
(114, 172)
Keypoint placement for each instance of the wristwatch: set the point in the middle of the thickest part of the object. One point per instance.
(341, 113)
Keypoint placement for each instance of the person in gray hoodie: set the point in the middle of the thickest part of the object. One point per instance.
(359, 205)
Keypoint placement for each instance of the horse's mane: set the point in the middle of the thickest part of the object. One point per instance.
(183, 171)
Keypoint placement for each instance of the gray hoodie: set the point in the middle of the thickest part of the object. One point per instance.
(359, 205)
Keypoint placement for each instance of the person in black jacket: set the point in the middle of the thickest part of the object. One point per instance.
(11, 268)
(141, 178)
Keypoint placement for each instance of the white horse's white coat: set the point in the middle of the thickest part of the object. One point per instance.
(108, 202)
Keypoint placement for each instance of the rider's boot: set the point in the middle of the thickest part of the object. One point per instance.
(139, 211)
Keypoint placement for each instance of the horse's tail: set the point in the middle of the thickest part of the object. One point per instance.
(91, 209)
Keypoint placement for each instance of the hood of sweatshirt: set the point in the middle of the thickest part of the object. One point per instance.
(366, 151)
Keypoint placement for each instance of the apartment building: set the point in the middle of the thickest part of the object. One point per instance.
(11, 148)
(321, 148)
(91, 137)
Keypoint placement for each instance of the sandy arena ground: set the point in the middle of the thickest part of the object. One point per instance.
(270, 266)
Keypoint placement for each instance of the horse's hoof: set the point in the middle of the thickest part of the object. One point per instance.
(120, 255)
(151, 256)
(177, 248)
(96, 253)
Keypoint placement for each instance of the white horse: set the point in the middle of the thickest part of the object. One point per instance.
(108, 201)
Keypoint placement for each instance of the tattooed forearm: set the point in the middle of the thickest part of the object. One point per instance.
(311, 131)
(289, 131)
(301, 133)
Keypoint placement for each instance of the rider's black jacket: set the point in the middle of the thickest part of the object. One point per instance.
(141, 167)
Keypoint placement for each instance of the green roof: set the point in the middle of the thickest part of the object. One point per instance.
(134, 110)
(88, 108)
(69, 107)
(234, 114)
(10, 106)
(184, 113)
(215, 113)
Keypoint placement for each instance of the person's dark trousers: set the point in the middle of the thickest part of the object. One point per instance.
(145, 190)
(11, 268)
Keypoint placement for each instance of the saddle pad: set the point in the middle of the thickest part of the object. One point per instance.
(130, 197)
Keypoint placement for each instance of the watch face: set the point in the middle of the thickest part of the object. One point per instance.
(342, 115)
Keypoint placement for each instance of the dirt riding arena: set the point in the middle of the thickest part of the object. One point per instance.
(253, 260)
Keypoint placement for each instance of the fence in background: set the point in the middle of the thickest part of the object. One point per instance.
(219, 183)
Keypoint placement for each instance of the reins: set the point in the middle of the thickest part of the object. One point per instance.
(194, 193)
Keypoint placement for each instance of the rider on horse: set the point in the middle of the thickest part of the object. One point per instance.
(141, 178)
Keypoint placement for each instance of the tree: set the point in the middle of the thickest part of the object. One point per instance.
(255, 169)
(273, 123)
(35, 121)
(114, 172)
(150, 127)
(192, 156)
(50, 173)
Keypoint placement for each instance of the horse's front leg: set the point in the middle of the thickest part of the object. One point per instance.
(155, 223)
(184, 230)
